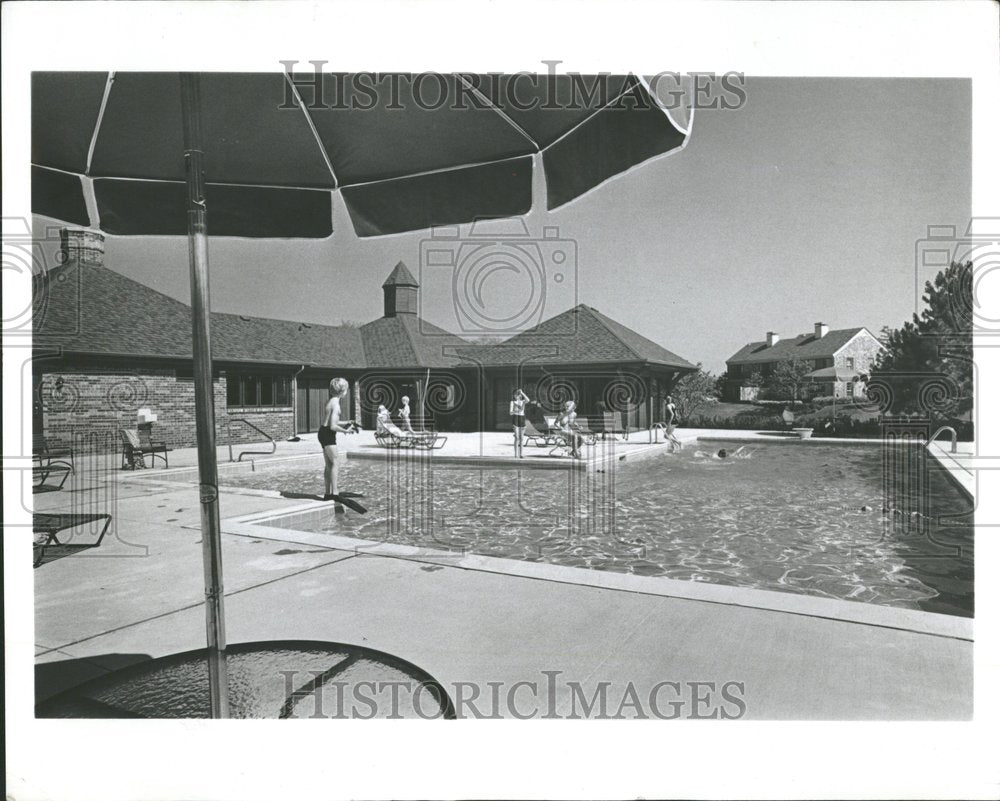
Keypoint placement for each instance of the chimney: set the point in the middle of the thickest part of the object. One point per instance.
(81, 246)
(772, 338)
(820, 330)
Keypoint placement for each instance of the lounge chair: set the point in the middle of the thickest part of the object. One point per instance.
(48, 526)
(46, 455)
(589, 428)
(389, 435)
(134, 451)
(533, 435)
(613, 425)
(41, 470)
(538, 427)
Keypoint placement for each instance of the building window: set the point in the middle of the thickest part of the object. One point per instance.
(257, 391)
(850, 389)
(850, 362)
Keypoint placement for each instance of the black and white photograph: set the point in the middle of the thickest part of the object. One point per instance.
(369, 375)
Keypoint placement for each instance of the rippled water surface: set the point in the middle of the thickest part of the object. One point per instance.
(843, 522)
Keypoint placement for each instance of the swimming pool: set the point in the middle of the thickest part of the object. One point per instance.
(860, 523)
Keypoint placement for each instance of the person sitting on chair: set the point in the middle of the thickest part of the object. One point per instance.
(385, 425)
(566, 423)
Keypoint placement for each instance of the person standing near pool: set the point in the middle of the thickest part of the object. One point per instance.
(671, 423)
(518, 399)
(404, 414)
(328, 437)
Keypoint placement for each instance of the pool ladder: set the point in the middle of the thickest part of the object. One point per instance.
(229, 437)
(954, 437)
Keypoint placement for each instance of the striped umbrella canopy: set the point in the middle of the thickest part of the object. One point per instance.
(404, 151)
(143, 153)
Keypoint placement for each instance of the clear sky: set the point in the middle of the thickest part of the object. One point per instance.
(804, 205)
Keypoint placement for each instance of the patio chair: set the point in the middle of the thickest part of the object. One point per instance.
(153, 448)
(47, 527)
(46, 455)
(788, 417)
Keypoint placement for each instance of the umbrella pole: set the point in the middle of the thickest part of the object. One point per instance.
(211, 535)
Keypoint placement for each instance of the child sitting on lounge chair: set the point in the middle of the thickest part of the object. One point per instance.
(566, 423)
(385, 426)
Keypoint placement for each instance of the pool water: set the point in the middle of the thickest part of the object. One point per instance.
(861, 523)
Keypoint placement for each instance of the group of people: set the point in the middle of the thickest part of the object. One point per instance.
(566, 424)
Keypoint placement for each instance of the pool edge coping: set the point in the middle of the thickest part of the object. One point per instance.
(850, 612)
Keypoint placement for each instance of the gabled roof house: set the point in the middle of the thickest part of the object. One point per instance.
(852, 349)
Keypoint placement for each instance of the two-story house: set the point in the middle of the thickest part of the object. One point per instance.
(851, 349)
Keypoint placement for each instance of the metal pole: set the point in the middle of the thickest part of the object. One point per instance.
(211, 535)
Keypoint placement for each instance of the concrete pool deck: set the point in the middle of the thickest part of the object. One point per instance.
(471, 618)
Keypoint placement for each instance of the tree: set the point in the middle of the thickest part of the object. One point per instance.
(693, 391)
(787, 380)
(927, 364)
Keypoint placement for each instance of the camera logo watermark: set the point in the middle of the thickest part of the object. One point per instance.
(501, 278)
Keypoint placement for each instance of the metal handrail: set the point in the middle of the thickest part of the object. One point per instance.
(954, 437)
(229, 438)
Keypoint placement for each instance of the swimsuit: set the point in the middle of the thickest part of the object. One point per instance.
(327, 436)
(517, 413)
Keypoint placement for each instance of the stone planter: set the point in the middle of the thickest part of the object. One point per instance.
(804, 433)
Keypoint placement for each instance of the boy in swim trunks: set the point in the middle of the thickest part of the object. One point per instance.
(328, 438)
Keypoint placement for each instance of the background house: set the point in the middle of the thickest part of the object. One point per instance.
(105, 346)
(847, 348)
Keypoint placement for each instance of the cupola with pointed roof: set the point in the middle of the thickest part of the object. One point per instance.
(399, 292)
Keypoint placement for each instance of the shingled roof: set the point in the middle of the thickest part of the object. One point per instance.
(400, 276)
(406, 340)
(581, 335)
(804, 346)
(90, 309)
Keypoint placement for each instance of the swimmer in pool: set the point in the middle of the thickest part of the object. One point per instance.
(740, 453)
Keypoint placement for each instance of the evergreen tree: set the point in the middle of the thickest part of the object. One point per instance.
(927, 364)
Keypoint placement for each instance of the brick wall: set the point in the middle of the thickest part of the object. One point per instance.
(79, 401)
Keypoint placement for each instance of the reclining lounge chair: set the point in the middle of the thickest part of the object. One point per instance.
(46, 456)
(47, 527)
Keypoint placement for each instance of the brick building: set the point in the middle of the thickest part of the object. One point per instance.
(852, 349)
(106, 346)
